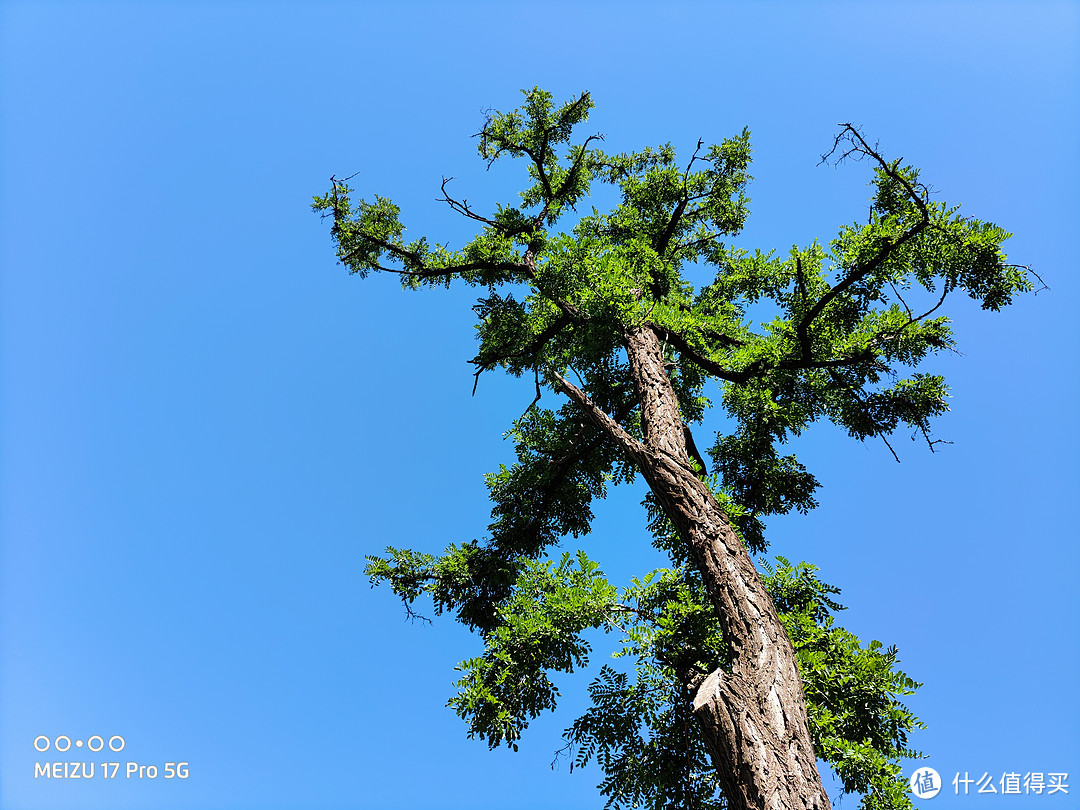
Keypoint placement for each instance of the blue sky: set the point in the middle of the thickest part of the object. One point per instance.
(206, 423)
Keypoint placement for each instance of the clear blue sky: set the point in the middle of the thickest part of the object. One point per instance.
(206, 423)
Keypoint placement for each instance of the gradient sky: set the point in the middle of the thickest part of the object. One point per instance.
(206, 423)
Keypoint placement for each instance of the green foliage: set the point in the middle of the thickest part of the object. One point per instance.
(640, 730)
(856, 720)
(852, 323)
(644, 739)
(539, 632)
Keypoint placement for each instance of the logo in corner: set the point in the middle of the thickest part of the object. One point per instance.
(925, 783)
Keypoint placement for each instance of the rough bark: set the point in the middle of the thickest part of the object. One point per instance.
(752, 712)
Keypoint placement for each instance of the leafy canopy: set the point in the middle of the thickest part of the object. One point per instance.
(853, 321)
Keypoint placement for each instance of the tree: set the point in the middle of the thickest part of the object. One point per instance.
(740, 679)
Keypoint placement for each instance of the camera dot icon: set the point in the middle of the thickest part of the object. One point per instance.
(925, 783)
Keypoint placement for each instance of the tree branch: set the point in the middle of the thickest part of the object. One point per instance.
(462, 207)
(662, 243)
(693, 245)
(673, 223)
(577, 164)
(683, 347)
(422, 273)
(633, 448)
(534, 346)
(568, 309)
(801, 329)
(888, 245)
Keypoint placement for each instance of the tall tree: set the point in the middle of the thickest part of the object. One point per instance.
(616, 338)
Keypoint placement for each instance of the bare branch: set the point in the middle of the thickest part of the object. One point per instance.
(884, 336)
(673, 223)
(411, 615)
(932, 309)
(693, 157)
(900, 298)
(890, 448)
(1027, 268)
(929, 442)
(888, 246)
(462, 207)
(536, 373)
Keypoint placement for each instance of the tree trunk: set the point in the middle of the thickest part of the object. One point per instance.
(752, 712)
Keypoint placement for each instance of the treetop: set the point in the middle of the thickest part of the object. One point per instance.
(853, 319)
